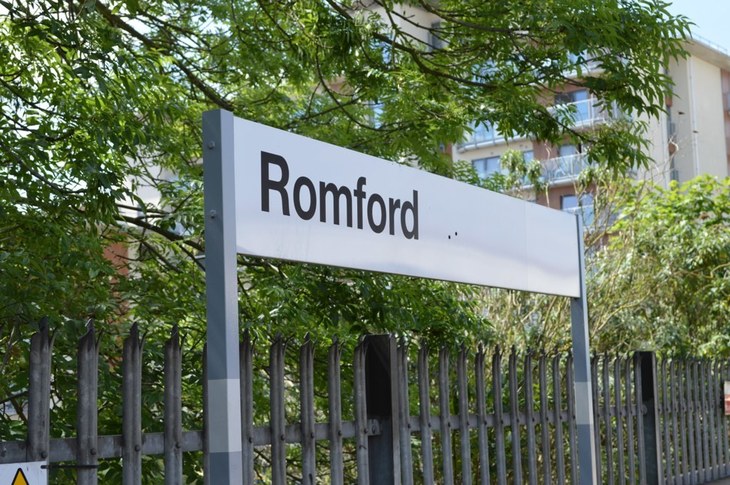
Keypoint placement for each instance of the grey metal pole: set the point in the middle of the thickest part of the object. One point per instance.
(582, 369)
(223, 421)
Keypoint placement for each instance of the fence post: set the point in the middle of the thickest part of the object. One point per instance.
(381, 379)
(173, 409)
(39, 399)
(647, 396)
(86, 409)
(132, 408)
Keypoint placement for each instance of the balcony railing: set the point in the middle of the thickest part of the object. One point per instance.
(587, 112)
(584, 113)
(484, 134)
(564, 169)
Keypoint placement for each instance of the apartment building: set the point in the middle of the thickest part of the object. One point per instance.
(691, 138)
(561, 163)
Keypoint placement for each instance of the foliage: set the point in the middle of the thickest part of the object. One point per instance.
(658, 274)
(101, 102)
(518, 177)
(663, 280)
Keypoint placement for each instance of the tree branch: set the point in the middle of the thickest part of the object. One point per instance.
(119, 23)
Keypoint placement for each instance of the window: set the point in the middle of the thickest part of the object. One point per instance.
(580, 95)
(582, 205)
(435, 37)
(563, 98)
(385, 47)
(486, 167)
(376, 117)
(568, 150)
(485, 71)
(582, 105)
(580, 100)
(528, 156)
(571, 97)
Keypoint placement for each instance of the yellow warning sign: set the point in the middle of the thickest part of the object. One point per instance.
(20, 478)
(30, 473)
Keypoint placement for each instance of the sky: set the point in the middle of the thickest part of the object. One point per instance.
(712, 18)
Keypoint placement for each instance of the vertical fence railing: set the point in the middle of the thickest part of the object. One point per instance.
(424, 418)
(695, 430)
(306, 397)
(404, 417)
(132, 409)
(334, 387)
(39, 411)
(277, 418)
(173, 410)
(417, 416)
(87, 409)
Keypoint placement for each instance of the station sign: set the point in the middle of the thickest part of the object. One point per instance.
(274, 194)
(300, 199)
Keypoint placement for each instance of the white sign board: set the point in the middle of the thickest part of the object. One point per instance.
(31, 473)
(304, 200)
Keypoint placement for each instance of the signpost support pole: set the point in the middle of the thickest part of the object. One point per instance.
(582, 369)
(223, 422)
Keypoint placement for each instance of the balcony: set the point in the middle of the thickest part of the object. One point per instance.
(587, 113)
(584, 113)
(564, 169)
(483, 134)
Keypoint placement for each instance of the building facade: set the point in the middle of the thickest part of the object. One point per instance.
(692, 137)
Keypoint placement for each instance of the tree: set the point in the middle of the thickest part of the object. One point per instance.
(663, 279)
(99, 97)
(658, 275)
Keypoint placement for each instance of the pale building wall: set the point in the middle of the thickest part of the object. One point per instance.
(145, 188)
(697, 111)
(709, 129)
(413, 21)
(726, 108)
(657, 136)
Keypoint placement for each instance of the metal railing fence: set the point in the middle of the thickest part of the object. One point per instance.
(386, 412)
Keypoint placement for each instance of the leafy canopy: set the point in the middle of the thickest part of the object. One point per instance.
(663, 280)
(101, 101)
